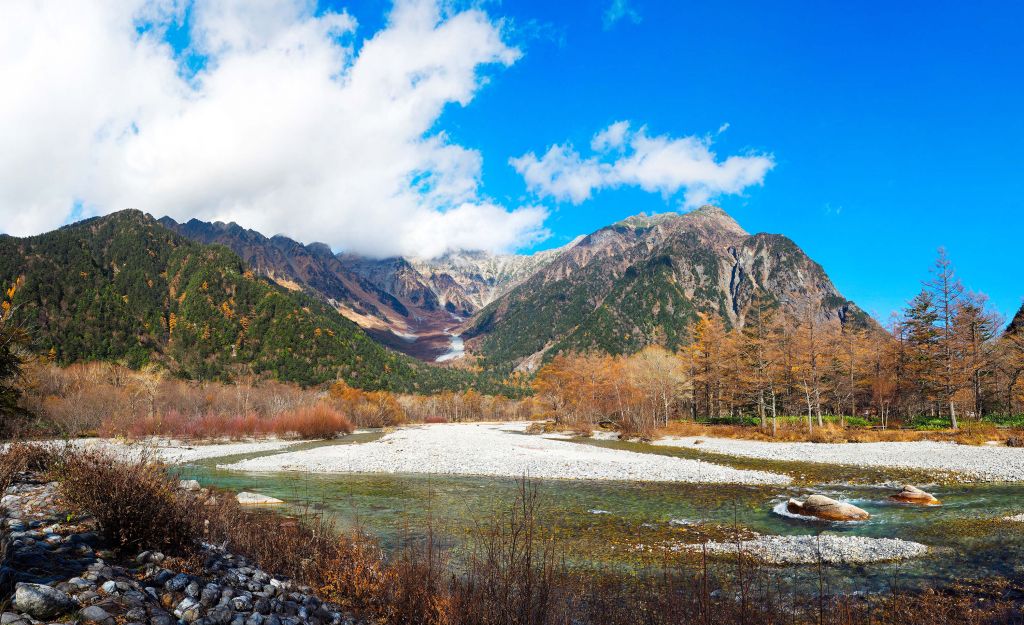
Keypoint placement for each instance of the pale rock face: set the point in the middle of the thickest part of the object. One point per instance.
(472, 280)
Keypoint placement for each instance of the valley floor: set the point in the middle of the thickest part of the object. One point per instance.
(499, 450)
(503, 450)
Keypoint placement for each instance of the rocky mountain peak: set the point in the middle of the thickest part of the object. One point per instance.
(717, 219)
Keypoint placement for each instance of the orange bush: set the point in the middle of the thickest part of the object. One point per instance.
(317, 421)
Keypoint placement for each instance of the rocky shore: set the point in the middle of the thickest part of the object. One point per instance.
(55, 569)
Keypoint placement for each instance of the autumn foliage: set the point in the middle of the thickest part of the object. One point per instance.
(940, 364)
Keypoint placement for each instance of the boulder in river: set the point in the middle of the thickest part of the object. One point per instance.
(827, 508)
(914, 495)
(256, 499)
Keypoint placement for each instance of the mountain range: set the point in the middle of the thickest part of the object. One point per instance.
(411, 305)
(640, 281)
(207, 298)
(125, 288)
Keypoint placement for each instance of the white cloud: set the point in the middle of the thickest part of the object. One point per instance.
(286, 129)
(617, 11)
(626, 157)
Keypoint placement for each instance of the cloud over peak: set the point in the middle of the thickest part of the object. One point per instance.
(627, 157)
(285, 127)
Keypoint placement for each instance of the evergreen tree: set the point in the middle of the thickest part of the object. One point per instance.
(923, 347)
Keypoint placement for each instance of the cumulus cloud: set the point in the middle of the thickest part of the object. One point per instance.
(617, 11)
(288, 126)
(626, 157)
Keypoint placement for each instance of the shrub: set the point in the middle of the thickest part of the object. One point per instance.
(317, 421)
(858, 422)
(25, 457)
(135, 504)
(435, 419)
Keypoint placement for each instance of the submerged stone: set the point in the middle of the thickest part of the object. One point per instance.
(256, 499)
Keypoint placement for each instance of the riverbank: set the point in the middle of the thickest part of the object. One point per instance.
(60, 569)
(499, 450)
(969, 462)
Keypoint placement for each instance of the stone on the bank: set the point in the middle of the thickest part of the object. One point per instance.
(827, 508)
(13, 618)
(177, 583)
(42, 602)
(256, 499)
(95, 614)
(189, 485)
(914, 495)
(161, 618)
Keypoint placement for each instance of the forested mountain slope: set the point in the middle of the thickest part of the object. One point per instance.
(125, 288)
(1017, 323)
(645, 281)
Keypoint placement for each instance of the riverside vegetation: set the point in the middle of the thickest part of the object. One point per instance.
(102, 554)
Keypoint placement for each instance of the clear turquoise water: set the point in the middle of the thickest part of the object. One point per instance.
(604, 522)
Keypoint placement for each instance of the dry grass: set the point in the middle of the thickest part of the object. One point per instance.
(317, 421)
(969, 433)
(20, 458)
(135, 504)
(308, 421)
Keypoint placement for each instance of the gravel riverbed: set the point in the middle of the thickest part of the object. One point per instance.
(174, 451)
(499, 450)
(971, 463)
(831, 549)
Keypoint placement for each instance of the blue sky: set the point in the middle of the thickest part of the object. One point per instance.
(869, 133)
(896, 127)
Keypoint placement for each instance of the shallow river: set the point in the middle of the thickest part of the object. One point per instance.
(630, 524)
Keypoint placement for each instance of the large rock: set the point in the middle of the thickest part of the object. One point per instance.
(914, 495)
(256, 499)
(42, 602)
(827, 508)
